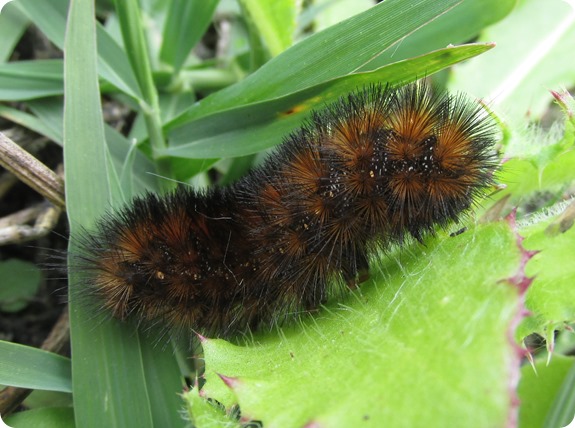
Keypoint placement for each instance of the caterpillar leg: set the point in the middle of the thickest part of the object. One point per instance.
(355, 270)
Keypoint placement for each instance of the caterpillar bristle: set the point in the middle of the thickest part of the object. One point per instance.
(372, 169)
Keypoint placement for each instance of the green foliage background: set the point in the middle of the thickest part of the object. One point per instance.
(434, 337)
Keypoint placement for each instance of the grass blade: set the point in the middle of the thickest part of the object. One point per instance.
(353, 43)
(185, 25)
(50, 18)
(25, 80)
(275, 22)
(135, 43)
(43, 370)
(12, 26)
(251, 128)
(109, 360)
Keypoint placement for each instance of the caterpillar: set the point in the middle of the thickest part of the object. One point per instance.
(378, 166)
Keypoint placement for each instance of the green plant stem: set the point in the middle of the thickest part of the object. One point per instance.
(135, 45)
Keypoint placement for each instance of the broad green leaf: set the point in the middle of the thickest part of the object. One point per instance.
(171, 105)
(541, 168)
(551, 297)
(427, 340)
(254, 127)
(524, 177)
(204, 413)
(540, 162)
(33, 368)
(516, 77)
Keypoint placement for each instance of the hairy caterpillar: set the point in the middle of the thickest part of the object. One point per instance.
(381, 164)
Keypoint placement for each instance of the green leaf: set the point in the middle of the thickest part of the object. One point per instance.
(128, 13)
(326, 13)
(31, 122)
(12, 26)
(50, 18)
(33, 368)
(50, 114)
(204, 413)
(180, 36)
(48, 417)
(48, 122)
(562, 411)
(538, 388)
(426, 340)
(25, 80)
(19, 284)
(540, 170)
(110, 362)
(274, 22)
(457, 25)
(539, 162)
(551, 297)
(133, 35)
(254, 127)
(351, 44)
(516, 77)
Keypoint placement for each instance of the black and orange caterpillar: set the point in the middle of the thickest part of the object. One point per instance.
(375, 167)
